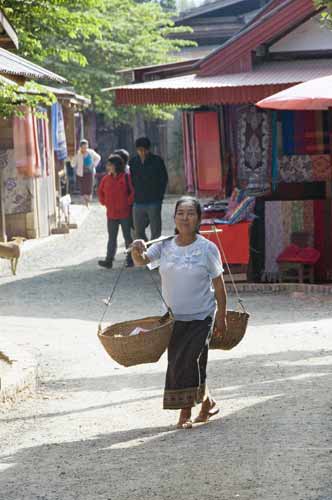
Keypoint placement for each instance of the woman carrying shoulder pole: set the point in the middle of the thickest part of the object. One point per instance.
(192, 283)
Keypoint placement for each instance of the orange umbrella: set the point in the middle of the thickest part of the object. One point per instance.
(312, 95)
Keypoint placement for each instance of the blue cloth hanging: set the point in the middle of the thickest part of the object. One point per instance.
(58, 132)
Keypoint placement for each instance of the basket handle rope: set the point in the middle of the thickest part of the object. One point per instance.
(240, 301)
(116, 282)
(110, 297)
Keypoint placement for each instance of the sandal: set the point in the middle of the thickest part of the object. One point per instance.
(204, 416)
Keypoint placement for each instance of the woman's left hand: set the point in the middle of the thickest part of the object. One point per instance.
(220, 323)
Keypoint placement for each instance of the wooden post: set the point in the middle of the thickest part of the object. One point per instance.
(328, 206)
(3, 235)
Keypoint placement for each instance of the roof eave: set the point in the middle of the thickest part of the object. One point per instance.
(9, 30)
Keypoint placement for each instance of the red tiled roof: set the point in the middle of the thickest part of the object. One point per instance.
(249, 87)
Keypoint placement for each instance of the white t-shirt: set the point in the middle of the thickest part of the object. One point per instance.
(186, 276)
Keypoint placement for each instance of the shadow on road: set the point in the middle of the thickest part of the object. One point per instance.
(272, 442)
(77, 292)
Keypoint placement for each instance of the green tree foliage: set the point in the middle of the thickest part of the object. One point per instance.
(165, 4)
(13, 97)
(88, 41)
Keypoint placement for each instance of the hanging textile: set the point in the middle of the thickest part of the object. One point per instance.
(187, 155)
(304, 132)
(224, 153)
(58, 132)
(26, 149)
(321, 167)
(311, 137)
(287, 210)
(47, 146)
(254, 144)
(230, 117)
(288, 132)
(308, 220)
(320, 236)
(207, 146)
(41, 146)
(275, 166)
(274, 240)
(297, 216)
(69, 119)
(296, 168)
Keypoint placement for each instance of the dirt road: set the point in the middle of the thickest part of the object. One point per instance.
(96, 430)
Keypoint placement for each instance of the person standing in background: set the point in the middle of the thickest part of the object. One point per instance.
(149, 177)
(85, 163)
(116, 193)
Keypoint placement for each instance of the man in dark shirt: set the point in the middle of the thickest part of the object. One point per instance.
(149, 178)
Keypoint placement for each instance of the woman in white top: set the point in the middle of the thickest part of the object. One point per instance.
(85, 163)
(192, 283)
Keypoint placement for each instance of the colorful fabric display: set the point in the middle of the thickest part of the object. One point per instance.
(26, 149)
(304, 132)
(321, 167)
(244, 211)
(296, 168)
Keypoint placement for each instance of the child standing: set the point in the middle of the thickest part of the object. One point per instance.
(116, 193)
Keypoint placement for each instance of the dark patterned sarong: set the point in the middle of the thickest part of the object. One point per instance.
(86, 184)
(187, 359)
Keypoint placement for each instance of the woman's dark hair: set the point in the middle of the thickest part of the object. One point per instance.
(143, 142)
(84, 142)
(195, 202)
(117, 161)
(123, 154)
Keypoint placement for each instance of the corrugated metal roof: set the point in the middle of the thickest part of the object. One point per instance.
(6, 81)
(12, 64)
(268, 73)
(223, 89)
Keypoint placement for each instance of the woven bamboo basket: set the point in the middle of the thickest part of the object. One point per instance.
(236, 328)
(147, 347)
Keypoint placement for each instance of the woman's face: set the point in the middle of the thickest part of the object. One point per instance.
(84, 148)
(186, 218)
(111, 168)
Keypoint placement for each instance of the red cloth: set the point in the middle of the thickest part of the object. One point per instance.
(234, 239)
(208, 157)
(117, 195)
(289, 254)
(26, 151)
(309, 256)
(293, 253)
